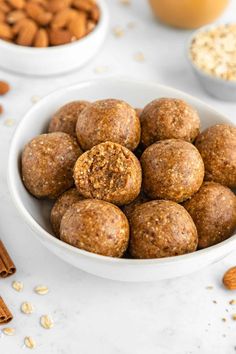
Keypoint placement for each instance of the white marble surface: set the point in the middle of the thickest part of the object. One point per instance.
(94, 315)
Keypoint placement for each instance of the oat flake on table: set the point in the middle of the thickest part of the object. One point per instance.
(17, 285)
(30, 342)
(41, 289)
(46, 322)
(27, 308)
(8, 331)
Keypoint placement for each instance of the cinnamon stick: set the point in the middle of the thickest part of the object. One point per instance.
(7, 267)
(5, 313)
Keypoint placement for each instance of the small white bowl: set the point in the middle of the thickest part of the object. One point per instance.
(57, 59)
(35, 213)
(222, 89)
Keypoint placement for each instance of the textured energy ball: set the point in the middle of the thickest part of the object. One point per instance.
(172, 169)
(161, 228)
(129, 208)
(109, 172)
(47, 164)
(65, 119)
(217, 146)
(96, 226)
(108, 120)
(213, 209)
(168, 118)
(61, 205)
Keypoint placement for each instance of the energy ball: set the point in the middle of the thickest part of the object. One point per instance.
(168, 118)
(172, 169)
(65, 119)
(61, 205)
(47, 164)
(217, 146)
(213, 209)
(109, 172)
(108, 120)
(96, 226)
(161, 228)
(129, 208)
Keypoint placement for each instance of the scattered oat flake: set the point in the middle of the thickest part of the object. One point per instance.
(8, 331)
(232, 302)
(139, 56)
(46, 322)
(125, 2)
(118, 31)
(30, 342)
(17, 285)
(41, 289)
(223, 319)
(35, 99)
(27, 308)
(131, 24)
(101, 69)
(9, 122)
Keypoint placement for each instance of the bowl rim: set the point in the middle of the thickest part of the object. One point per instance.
(39, 230)
(59, 48)
(199, 71)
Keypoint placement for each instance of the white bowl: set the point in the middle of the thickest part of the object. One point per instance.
(57, 59)
(36, 213)
(222, 89)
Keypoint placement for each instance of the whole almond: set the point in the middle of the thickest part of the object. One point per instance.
(84, 5)
(37, 13)
(60, 36)
(229, 279)
(27, 33)
(63, 17)
(4, 87)
(58, 5)
(41, 39)
(17, 4)
(77, 26)
(18, 25)
(15, 16)
(5, 31)
(5, 8)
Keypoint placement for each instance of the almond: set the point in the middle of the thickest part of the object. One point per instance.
(18, 25)
(5, 8)
(17, 4)
(58, 5)
(15, 16)
(63, 17)
(95, 13)
(38, 14)
(4, 87)
(2, 16)
(78, 25)
(229, 279)
(60, 36)
(41, 38)
(27, 33)
(5, 31)
(84, 5)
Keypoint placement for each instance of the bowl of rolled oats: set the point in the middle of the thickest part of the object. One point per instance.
(212, 54)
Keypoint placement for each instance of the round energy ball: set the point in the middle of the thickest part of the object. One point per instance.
(96, 226)
(62, 204)
(161, 228)
(47, 164)
(168, 118)
(65, 119)
(109, 172)
(172, 169)
(213, 209)
(108, 120)
(217, 146)
(129, 208)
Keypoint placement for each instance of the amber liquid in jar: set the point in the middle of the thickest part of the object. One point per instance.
(188, 14)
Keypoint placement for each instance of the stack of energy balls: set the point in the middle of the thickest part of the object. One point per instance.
(139, 183)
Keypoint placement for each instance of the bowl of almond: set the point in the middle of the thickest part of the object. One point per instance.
(47, 37)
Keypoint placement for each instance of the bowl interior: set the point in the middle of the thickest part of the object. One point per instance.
(36, 121)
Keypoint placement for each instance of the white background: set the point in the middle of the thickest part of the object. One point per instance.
(94, 315)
